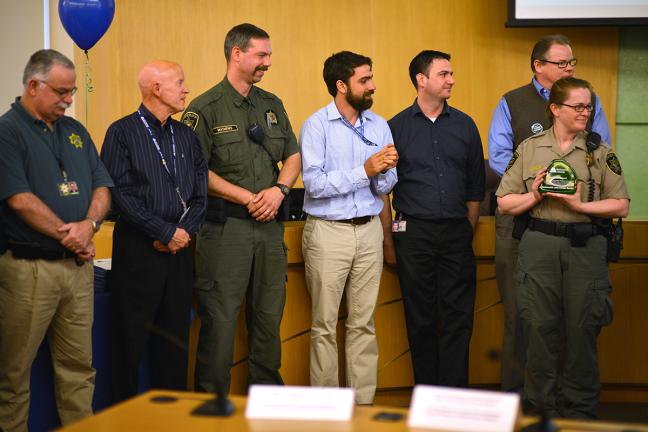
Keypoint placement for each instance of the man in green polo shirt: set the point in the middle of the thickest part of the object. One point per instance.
(244, 132)
(53, 195)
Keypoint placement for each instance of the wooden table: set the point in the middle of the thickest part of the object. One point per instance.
(141, 414)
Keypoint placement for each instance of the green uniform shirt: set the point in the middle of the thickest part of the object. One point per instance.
(221, 118)
(33, 158)
(539, 150)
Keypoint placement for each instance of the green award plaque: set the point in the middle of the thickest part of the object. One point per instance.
(560, 178)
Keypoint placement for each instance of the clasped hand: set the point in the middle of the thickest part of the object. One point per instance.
(384, 159)
(264, 205)
(180, 240)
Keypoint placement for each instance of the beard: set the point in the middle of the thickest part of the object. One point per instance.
(360, 103)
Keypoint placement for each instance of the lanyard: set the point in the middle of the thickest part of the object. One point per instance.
(359, 132)
(164, 162)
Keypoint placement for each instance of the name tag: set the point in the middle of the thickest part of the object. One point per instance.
(452, 409)
(299, 403)
(224, 129)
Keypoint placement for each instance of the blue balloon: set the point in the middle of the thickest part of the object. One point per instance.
(86, 21)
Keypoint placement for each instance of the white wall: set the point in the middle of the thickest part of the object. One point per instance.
(21, 34)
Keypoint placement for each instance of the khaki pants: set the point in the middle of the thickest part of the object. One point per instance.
(39, 297)
(341, 256)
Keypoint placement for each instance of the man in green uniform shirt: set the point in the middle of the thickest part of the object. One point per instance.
(53, 196)
(244, 132)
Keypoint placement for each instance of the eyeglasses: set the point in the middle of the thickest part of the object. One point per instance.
(562, 64)
(580, 107)
(61, 92)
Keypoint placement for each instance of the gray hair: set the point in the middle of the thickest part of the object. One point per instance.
(41, 62)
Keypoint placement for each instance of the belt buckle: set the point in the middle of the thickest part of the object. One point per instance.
(561, 229)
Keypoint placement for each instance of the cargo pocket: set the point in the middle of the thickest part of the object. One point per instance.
(599, 311)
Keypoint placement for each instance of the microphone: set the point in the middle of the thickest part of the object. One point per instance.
(544, 424)
(221, 405)
(593, 141)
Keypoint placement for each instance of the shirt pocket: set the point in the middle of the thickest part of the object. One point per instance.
(228, 151)
(275, 141)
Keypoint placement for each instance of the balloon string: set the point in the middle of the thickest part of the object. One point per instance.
(88, 84)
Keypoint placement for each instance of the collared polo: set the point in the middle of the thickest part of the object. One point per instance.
(440, 165)
(145, 193)
(33, 158)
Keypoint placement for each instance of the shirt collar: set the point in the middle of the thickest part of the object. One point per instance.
(416, 109)
(150, 117)
(332, 113)
(27, 116)
(579, 141)
(543, 92)
(236, 97)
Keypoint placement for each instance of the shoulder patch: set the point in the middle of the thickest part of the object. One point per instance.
(191, 119)
(512, 161)
(613, 163)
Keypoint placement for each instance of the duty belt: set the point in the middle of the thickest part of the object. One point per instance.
(578, 233)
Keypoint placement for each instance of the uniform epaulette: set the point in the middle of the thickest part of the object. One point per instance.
(266, 94)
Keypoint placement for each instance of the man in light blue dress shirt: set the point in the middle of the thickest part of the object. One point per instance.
(348, 160)
(520, 114)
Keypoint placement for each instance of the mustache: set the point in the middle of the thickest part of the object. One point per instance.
(63, 105)
(262, 68)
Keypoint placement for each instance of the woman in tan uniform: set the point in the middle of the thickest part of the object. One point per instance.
(563, 287)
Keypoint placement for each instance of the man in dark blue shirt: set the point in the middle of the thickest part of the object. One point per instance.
(160, 196)
(440, 185)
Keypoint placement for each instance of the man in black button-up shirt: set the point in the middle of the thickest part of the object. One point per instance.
(440, 185)
(160, 196)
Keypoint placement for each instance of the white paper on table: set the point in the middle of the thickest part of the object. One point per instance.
(299, 403)
(466, 410)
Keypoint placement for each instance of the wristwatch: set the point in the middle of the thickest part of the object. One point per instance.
(95, 224)
(283, 188)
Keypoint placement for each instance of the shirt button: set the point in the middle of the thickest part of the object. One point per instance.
(437, 158)
(442, 192)
(441, 175)
(435, 141)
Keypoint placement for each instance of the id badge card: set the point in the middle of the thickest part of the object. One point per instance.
(68, 188)
(399, 226)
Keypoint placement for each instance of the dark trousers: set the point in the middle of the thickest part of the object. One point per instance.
(513, 344)
(436, 269)
(151, 294)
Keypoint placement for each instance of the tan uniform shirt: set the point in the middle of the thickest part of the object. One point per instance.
(539, 150)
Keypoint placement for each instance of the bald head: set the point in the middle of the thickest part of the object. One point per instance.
(161, 83)
(153, 73)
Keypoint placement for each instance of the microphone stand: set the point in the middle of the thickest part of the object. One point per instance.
(220, 406)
